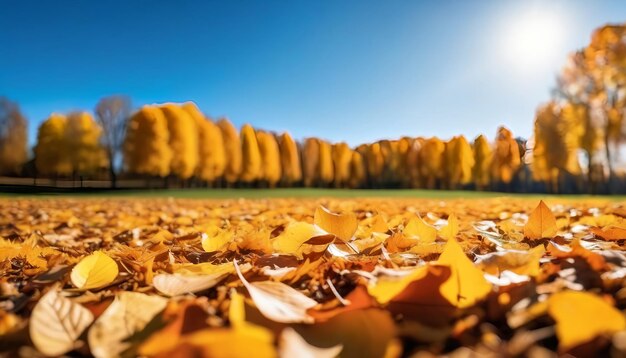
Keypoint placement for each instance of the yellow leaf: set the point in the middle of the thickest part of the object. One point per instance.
(191, 278)
(467, 283)
(293, 345)
(129, 313)
(341, 225)
(216, 240)
(452, 229)
(94, 271)
(290, 241)
(611, 233)
(56, 323)
(418, 228)
(389, 286)
(581, 317)
(541, 223)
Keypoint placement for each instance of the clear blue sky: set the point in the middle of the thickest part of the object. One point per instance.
(342, 70)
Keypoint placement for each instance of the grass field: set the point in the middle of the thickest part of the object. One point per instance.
(308, 193)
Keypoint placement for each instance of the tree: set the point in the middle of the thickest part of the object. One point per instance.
(375, 162)
(290, 160)
(51, 150)
(482, 162)
(112, 114)
(430, 159)
(310, 162)
(211, 151)
(270, 158)
(183, 140)
(13, 137)
(251, 169)
(146, 147)
(555, 144)
(412, 163)
(357, 170)
(459, 162)
(232, 147)
(82, 135)
(342, 158)
(506, 157)
(327, 172)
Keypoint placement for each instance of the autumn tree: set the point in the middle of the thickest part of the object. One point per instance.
(251, 169)
(310, 162)
(84, 146)
(459, 162)
(326, 167)
(183, 140)
(358, 173)
(412, 163)
(431, 159)
(146, 147)
(482, 162)
(232, 151)
(290, 160)
(51, 150)
(13, 137)
(342, 159)
(375, 163)
(555, 143)
(211, 151)
(506, 157)
(112, 114)
(271, 170)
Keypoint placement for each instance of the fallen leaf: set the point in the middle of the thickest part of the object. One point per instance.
(451, 229)
(56, 323)
(295, 235)
(277, 301)
(129, 313)
(291, 344)
(582, 316)
(341, 225)
(541, 223)
(94, 271)
(416, 227)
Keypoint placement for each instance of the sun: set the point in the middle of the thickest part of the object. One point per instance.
(532, 39)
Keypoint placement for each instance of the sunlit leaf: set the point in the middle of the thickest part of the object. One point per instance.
(341, 225)
(541, 223)
(94, 271)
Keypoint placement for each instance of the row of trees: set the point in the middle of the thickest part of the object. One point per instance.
(575, 145)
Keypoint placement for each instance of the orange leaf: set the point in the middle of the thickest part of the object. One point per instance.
(341, 225)
(541, 223)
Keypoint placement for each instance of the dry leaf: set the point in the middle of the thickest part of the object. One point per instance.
(581, 317)
(416, 227)
(277, 301)
(129, 313)
(291, 344)
(56, 323)
(541, 223)
(94, 271)
(451, 229)
(341, 225)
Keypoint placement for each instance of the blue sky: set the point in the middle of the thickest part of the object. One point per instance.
(353, 70)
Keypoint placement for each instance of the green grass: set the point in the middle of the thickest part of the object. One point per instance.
(305, 193)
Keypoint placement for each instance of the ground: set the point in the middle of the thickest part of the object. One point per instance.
(354, 273)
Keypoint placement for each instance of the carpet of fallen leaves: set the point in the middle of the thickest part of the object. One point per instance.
(312, 277)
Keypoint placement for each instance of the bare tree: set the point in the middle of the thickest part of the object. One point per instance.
(13, 137)
(112, 114)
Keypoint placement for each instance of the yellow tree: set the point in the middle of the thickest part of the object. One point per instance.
(82, 136)
(459, 162)
(251, 169)
(211, 153)
(51, 150)
(13, 137)
(357, 170)
(506, 157)
(342, 158)
(412, 163)
(290, 160)
(271, 170)
(431, 161)
(482, 162)
(232, 150)
(375, 163)
(146, 148)
(310, 162)
(327, 170)
(183, 140)
(555, 145)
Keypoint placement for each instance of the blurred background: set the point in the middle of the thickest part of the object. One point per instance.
(524, 96)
